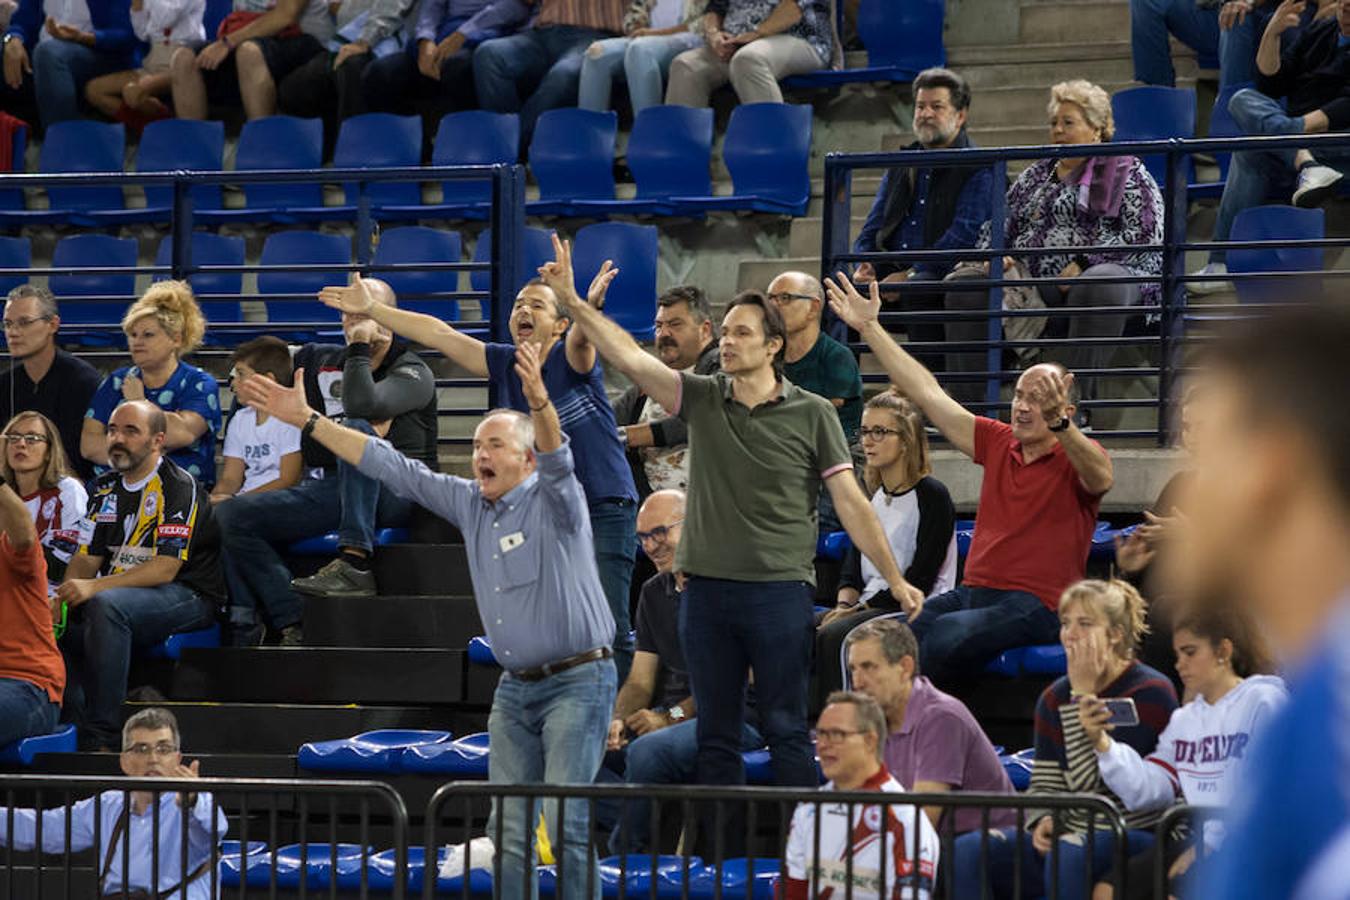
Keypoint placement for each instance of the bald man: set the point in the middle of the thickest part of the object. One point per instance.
(815, 361)
(374, 384)
(148, 566)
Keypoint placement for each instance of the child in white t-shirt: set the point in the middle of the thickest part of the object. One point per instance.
(262, 453)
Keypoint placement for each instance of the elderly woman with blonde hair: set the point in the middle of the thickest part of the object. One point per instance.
(161, 327)
(1094, 201)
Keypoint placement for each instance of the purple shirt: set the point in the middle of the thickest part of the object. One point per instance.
(941, 741)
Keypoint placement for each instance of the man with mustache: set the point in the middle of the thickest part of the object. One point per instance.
(148, 566)
(657, 442)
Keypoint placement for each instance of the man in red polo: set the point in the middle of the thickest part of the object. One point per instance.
(1043, 484)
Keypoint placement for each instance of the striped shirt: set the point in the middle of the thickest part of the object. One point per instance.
(602, 15)
(1066, 762)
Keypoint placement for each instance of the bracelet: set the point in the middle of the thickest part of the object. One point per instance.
(545, 405)
(308, 430)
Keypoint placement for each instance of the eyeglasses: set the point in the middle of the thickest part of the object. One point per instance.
(783, 298)
(143, 750)
(832, 735)
(877, 434)
(658, 535)
(17, 324)
(29, 439)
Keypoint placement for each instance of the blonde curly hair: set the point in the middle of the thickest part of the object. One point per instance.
(1117, 604)
(175, 308)
(1094, 101)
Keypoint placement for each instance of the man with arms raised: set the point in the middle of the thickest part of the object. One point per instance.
(528, 541)
(759, 448)
(1043, 484)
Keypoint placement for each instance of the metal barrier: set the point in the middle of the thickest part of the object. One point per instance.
(1173, 827)
(1164, 341)
(743, 834)
(289, 835)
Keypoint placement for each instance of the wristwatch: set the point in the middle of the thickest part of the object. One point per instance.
(676, 713)
(1062, 425)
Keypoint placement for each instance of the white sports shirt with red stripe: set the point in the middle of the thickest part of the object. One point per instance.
(872, 848)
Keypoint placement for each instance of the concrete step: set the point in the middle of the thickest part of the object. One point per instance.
(755, 274)
(1073, 22)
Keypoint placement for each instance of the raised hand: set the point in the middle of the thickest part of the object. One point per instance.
(856, 311)
(356, 298)
(1049, 390)
(184, 772)
(1287, 15)
(1087, 661)
(595, 294)
(1133, 553)
(132, 387)
(286, 403)
(529, 369)
(557, 274)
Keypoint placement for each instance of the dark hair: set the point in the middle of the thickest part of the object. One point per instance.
(267, 355)
(944, 78)
(1291, 366)
(691, 296)
(773, 323)
(897, 641)
(1215, 624)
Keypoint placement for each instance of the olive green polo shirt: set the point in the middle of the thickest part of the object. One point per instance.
(754, 480)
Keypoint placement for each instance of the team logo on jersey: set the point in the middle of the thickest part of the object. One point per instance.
(49, 508)
(150, 505)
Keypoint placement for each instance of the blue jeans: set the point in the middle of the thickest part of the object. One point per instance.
(551, 732)
(100, 640)
(614, 532)
(668, 756)
(1258, 175)
(532, 71)
(25, 710)
(729, 628)
(253, 525)
(1037, 870)
(60, 71)
(960, 631)
(644, 62)
(1150, 23)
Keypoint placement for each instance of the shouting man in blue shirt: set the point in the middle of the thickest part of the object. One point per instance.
(527, 533)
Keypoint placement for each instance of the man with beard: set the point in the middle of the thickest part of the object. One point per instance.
(148, 567)
(575, 381)
(927, 208)
(45, 378)
(1269, 524)
(657, 442)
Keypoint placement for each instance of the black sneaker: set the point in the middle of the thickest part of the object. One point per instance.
(337, 579)
(1316, 185)
(291, 636)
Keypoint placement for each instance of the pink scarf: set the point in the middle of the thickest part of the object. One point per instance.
(1101, 184)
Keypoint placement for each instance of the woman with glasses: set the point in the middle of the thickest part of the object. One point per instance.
(161, 327)
(35, 465)
(916, 512)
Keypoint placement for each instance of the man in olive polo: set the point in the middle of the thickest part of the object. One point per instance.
(760, 447)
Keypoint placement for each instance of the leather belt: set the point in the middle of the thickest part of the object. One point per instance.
(562, 665)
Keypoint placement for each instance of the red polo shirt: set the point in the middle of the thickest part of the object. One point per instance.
(1033, 530)
(27, 646)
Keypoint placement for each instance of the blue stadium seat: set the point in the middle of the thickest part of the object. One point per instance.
(371, 751)
(303, 248)
(758, 767)
(418, 244)
(631, 300)
(236, 848)
(1221, 125)
(1276, 223)
(834, 545)
(768, 152)
(171, 144)
(1104, 541)
(670, 155)
(172, 647)
(572, 158)
(381, 140)
(738, 880)
(637, 874)
(210, 249)
(1046, 659)
(78, 145)
(470, 138)
(216, 11)
(382, 868)
(275, 142)
(1018, 766)
(965, 531)
(480, 651)
(902, 39)
(327, 544)
(312, 862)
(15, 253)
(93, 251)
(538, 250)
(23, 751)
(1153, 113)
(466, 757)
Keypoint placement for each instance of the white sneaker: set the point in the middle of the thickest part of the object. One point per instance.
(1316, 185)
(1215, 285)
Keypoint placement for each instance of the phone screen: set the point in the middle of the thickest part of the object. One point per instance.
(1123, 711)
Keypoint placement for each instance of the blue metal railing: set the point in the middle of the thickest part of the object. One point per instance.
(1164, 337)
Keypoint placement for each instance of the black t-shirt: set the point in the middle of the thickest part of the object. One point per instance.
(658, 631)
(62, 395)
(169, 514)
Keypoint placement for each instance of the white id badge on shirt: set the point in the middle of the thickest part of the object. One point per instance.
(512, 541)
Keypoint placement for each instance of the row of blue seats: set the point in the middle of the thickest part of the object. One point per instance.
(630, 301)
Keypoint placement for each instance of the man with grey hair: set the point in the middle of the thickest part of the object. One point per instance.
(45, 379)
(528, 541)
(814, 361)
(849, 849)
(132, 848)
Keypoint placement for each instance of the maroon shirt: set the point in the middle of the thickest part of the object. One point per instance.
(941, 741)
